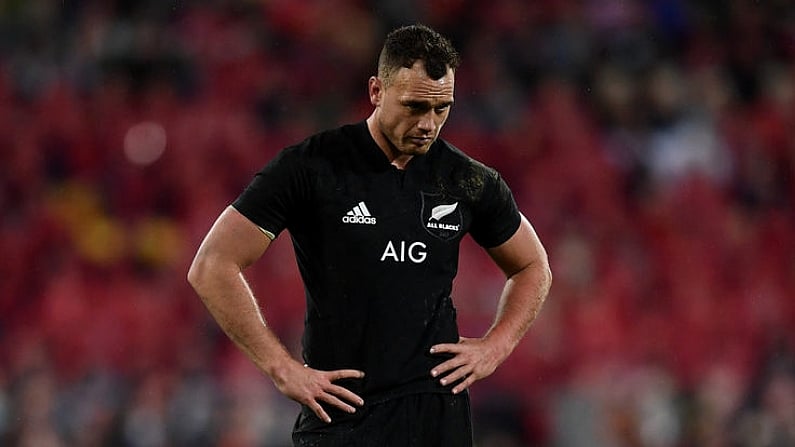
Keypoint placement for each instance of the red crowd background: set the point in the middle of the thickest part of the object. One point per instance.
(651, 143)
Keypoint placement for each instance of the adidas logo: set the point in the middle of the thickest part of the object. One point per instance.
(359, 215)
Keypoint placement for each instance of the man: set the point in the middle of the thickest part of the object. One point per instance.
(376, 211)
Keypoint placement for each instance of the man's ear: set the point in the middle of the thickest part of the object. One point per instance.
(376, 90)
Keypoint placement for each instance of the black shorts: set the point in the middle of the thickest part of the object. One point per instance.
(415, 420)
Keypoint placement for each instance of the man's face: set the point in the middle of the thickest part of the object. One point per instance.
(411, 110)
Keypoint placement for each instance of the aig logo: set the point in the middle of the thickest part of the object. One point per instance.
(414, 252)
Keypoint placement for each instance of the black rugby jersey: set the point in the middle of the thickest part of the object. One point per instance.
(377, 249)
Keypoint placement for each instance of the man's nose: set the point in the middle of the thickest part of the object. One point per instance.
(426, 122)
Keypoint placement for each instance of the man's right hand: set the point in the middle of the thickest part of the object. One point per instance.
(310, 387)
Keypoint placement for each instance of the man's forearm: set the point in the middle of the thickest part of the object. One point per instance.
(521, 300)
(230, 301)
(474, 359)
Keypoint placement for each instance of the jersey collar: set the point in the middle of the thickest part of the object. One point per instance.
(374, 155)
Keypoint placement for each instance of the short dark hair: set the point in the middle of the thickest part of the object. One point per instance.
(406, 45)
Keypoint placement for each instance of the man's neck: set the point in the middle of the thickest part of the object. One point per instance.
(395, 158)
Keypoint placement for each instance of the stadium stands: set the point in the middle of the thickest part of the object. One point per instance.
(652, 144)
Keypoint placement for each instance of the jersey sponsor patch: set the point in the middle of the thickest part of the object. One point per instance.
(440, 216)
(359, 215)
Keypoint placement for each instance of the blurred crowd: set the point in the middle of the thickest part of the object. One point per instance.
(650, 142)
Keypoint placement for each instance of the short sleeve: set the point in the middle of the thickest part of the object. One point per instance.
(276, 193)
(495, 215)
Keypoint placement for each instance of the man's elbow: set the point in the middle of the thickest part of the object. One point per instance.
(197, 273)
(539, 273)
(544, 271)
(546, 278)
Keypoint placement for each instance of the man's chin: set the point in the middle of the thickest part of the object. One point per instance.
(417, 149)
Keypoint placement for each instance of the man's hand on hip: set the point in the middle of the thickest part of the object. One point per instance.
(310, 387)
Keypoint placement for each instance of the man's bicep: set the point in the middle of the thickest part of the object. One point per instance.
(234, 238)
(521, 250)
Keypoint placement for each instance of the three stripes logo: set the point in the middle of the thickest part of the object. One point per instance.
(359, 215)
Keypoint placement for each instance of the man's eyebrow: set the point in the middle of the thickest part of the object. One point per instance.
(425, 103)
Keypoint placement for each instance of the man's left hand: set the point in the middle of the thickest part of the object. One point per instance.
(473, 359)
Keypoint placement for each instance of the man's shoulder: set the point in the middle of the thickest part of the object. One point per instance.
(464, 175)
(448, 155)
(325, 144)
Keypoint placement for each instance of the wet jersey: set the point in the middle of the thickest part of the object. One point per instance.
(377, 249)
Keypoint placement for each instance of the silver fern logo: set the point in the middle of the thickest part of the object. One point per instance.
(441, 216)
(442, 210)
